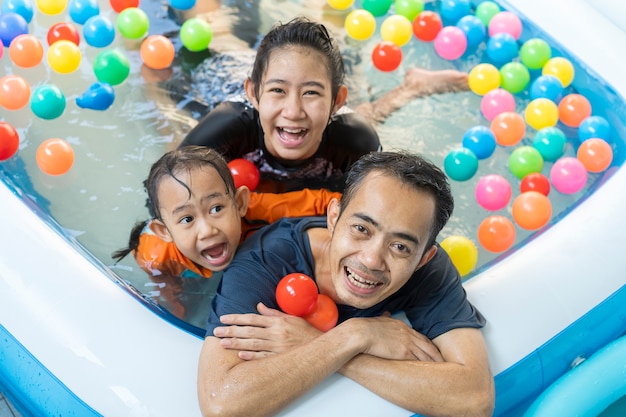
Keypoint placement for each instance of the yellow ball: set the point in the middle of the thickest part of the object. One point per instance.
(360, 24)
(462, 252)
(397, 29)
(340, 4)
(541, 113)
(51, 7)
(64, 56)
(483, 78)
(561, 68)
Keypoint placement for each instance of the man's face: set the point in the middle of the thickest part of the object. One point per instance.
(378, 241)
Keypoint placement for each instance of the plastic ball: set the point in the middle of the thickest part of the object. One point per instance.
(568, 175)
(505, 22)
(325, 314)
(99, 31)
(496, 233)
(63, 31)
(360, 24)
(427, 25)
(55, 156)
(296, 294)
(22, 7)
(245, 173)
(340, 4)
(547, 86)
(1, 49)
(99, 96)
(196, 34)
(493, 192)
(51, 7)
(573, 109)
(9, 141)
(460, 164)
(47, 102)
(514, 77)
(594, 127)
(111, 66)
(81, 10)
(531, 210)
(525, 160)
(509, 128)
(541, 113)
(550, 142)
(183, 4)
(483, 78)
(64, 57)
(12, 25)
(480, 140)
(535, 181)
(26, 51)
(409, 8)
(450, 43)
(595, 154)
(133, 23)
(453, 10)
(386, 56)
(502, 48)
(561, 68)
(462, 252)
(397, 29)
(377, 7)
(474, 30)
(486, 10)
(495, 102)
(14, 92)
(157, 52)
(119, 5)
(534, 53)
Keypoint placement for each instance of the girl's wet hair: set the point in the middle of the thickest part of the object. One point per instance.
(170, 165)
(410, 169)
(304, 33)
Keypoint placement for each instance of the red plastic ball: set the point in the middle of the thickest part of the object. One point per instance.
(63, 32)
(325, 315)
(119, 5)
(9, 141)
(296, 294)
(427, 25)
(535, 182)
(386, 56)
(245, 173)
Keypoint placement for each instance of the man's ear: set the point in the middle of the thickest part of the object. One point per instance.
(332, 214)
(427, 256)
(340, 100)
(248, 85)
(242, 198)
(159, 229)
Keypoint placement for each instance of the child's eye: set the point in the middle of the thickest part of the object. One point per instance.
(216, 209)
(277, 90)
(186, 220)
(311, 93)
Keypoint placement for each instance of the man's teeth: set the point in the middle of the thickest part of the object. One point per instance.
(359, 281)
(293, 131)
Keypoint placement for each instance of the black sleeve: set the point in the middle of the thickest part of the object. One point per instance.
(231, 128)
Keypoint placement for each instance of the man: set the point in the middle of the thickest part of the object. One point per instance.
(374, 254)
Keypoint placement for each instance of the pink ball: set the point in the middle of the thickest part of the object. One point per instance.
(505, 22)
(493, 192)
(568, 175)
(450, 43)
(495, 102)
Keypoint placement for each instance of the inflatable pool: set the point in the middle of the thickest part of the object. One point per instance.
(78, 340)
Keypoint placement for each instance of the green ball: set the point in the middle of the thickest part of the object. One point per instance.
(514, 77)
(111, 66)
(486, 10)
(133, 23)
(196, 34)
(47, 102)
(525, 160)
(377, 7)
(534, 53)
(409, 8)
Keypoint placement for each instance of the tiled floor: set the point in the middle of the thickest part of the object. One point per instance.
(6, 409)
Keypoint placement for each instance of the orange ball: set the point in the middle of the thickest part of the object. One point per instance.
(595, 154)
(531, 210)
(157, 52)
(573, 109)
(508, 128)
(26, 51)
(55, 156)
(14, 92)
(496, 233)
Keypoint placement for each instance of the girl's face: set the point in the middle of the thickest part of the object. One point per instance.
(206, 226)
(295, 102)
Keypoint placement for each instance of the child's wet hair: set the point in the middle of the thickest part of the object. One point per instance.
(304, 33)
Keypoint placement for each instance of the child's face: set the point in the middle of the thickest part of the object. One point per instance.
(206, 226)
(295, 102)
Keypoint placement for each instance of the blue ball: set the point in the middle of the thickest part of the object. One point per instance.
(502, 48)
(81, 10)
(12, 25)
(99, 96)
(453, 10)
(480, 140)
(182, 4)
(22, 7)
(98, 31)
(473, 28)
(460, 164)
(594, 127)
(547, 86)
(550, 142)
